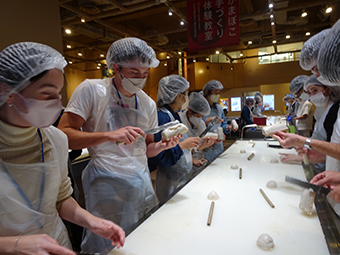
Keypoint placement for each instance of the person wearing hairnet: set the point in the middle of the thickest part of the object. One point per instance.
(35, 190)
(310, 50)
(247, 112)
(112, 114)
(304, 113)
(174, 165)
(289, 100)
(211, 92)
(259, 106)
(328, 98)
(192, 117)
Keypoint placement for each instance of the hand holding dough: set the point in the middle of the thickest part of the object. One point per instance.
(174, 130)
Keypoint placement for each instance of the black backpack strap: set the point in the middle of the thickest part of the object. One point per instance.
(330, 119)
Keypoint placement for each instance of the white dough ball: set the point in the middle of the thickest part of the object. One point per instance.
(234, 166)
(274, 161)
(265, 242)
(271, 184)
(213, 195)
(243, 151)
(251, 141)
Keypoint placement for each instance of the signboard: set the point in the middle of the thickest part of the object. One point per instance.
(212, 23)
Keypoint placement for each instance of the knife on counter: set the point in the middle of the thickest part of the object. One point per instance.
(316, 188)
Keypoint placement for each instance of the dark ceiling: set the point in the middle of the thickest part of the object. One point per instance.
(109, 20)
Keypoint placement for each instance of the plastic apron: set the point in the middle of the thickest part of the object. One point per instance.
(116, 182)
(28, 198)
(169, 179)
(214, 151)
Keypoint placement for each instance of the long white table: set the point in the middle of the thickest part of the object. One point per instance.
(240, 216)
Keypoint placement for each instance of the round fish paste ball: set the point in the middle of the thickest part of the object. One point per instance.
(213, 195)
(243, 151)
(271, 184)
(274, 161)
(265, 242)
(251, 141)
(234, 166)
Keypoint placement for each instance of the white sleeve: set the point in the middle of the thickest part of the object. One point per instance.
(81, 101)
(306, 108)
(153, 117)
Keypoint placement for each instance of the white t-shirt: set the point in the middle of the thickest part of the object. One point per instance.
(305, 124)
(193, 132)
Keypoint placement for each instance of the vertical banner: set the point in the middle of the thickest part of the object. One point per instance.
(212, 23)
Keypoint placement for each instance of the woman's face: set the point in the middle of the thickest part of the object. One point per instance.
(314, 89)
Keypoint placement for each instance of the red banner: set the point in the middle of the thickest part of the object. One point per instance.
(212, 23)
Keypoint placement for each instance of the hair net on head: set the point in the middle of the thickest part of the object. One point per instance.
(287, 99)
(310, 50)
(169, 87)
(199, 104)
(258, 99)
(20, 62)
(297, 83)
(258, 94)
(250, 101)
(328, 58)
(131, 52)
(312, 80)
(211, 85)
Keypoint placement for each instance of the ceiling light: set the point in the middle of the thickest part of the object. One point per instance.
(217, 52)
(165, 64)
(194, 60)
(168, 57)
(79, 54)
(287, 36)
(68, 46)
(70, 62)
(68, 31)
(250, 42)
(99, 64)
(271, 16)
(307, 33)
(98, 67)
(182, 23)
(82, 20)
(271, 6)
(102, 55)
(241, 54)
(179, 53)
(207, 59)
(329, 9)
(274, 41)
(170, 13)
(272, 23)
(304, 14)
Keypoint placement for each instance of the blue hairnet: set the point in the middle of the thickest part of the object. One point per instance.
(211, 85)
(199, 104)
(131, 52)
(297, 83)
(312, 80)
(329, 57)
(20, 62)
(169, 87)
(310, 50)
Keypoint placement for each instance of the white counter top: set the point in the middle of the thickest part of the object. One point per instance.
(240, 216)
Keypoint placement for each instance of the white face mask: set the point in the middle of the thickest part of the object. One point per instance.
(319, 100)
(304, 96)
(133, 85)
(194, 120)
(40, 113)
(214, 98)
(185, 104)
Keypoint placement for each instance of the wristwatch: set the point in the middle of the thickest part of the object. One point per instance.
(307, 144)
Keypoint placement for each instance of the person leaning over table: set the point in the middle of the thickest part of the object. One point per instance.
(211, 91)
(192, 117)
(175, 164)
(35, 192)
(113, 114)
(327, 98)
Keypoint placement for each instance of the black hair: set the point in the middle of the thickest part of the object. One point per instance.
(38, 76)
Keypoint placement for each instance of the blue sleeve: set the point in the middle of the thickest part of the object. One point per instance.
(224, 124)
(167, 157)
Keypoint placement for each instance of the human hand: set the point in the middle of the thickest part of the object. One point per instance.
(190, 143)
(313, 155)
(335, 193)
(108, 230)
(126, 135)
(290, 158)
(326, 179)
(207, 142)
(233, 129)
(40, 244)
(172, 142)
(199, 162)
(288, 140)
